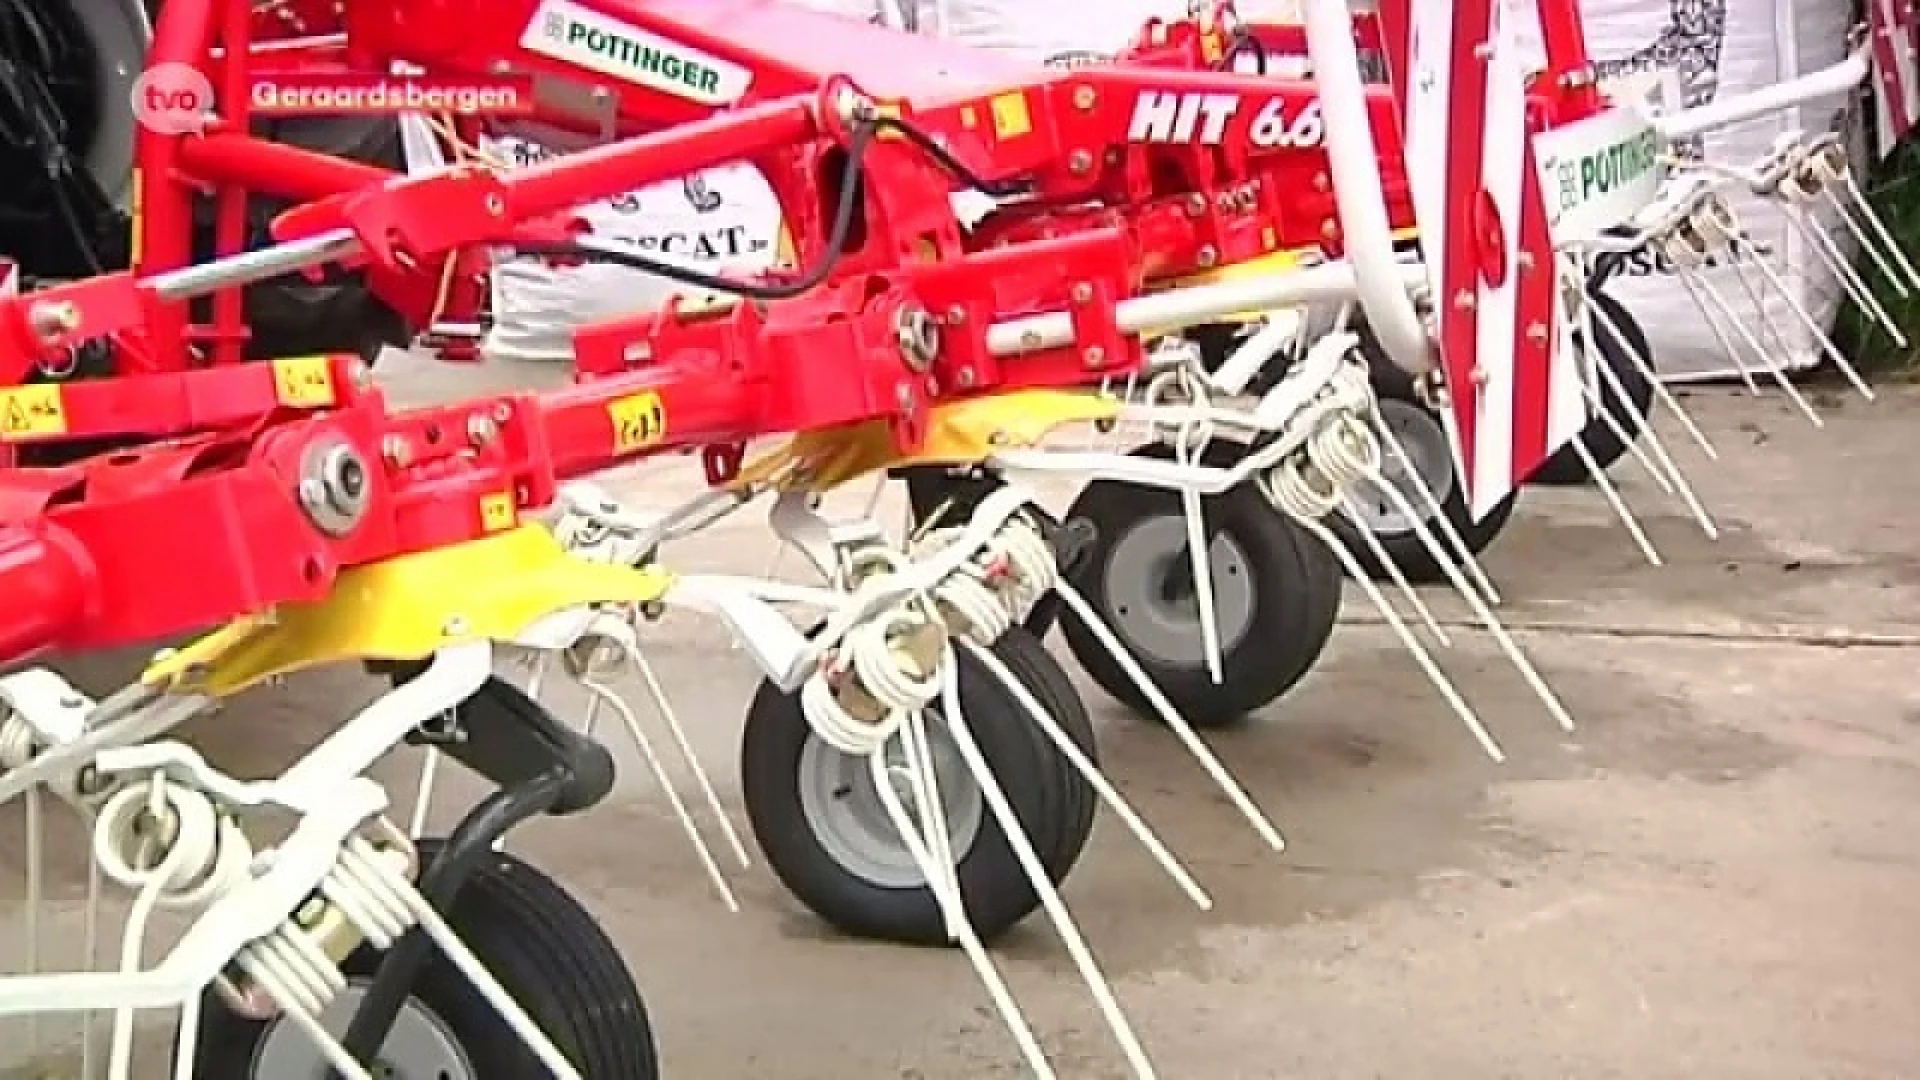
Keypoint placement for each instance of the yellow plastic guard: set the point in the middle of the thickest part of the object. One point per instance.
(958, 433)
(407, 608)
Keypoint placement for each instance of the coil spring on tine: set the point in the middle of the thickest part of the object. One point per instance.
(986, 597)
(293, 969)
(171, 840)
(1340, 454)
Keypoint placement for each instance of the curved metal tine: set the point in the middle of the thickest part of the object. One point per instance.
(1428, 665)
(341, 1062)
(1200, 562)
(1875, 225)
(635, 656)
(1029, 861)
(1399, 578)
(1484, 613)
(917, 757)
(36, 895)
(1621, 510)
(1836, 260)
(1644, 366)
(953, 911)
(435, 926)
(1807, 321)
(1458, 551)
(1095, 778)
(601, 692)
(423, 793)
(1162, 708)
(1712, 319)
(1894, 278)
(1678, 484)
(1597, 408)
(1654, 456)
(1713, 304)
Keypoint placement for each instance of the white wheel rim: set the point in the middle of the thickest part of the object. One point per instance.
(843, 810)
(1155, 615)
(420, 1046)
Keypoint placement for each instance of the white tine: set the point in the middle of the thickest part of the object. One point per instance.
(1835, 260)
(1095, 778)
(1056, 909)
(1716, 309)
(1162, 708)
(1879, 228)
(1807, 321)
(1399, 577)
(1430, 503)
(1528, 673)
(637, 657)
(1421, 656)
(965, 935)
(1644, 366)
(604, 693)
(1620, 508)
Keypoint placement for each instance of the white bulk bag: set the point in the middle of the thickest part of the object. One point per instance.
(1717, 48)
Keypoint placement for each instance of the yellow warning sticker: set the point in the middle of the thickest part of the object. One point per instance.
(32, 412)
(303, 382)
(1010, 117)
(639, 421)
(498, 512)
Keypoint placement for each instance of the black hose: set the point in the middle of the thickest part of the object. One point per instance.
(852, 180)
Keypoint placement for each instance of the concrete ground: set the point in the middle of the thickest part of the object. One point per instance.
(1716, 875)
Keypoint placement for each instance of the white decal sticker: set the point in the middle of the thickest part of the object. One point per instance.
(600, 43)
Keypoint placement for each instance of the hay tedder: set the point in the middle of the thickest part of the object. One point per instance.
(916, 766)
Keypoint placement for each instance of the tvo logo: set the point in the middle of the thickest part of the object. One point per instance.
(172, 99)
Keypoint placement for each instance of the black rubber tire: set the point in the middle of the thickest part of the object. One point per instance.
(1405, 548)
(1026, 655)
(1565, 468)
(1053, 802)
(292, 315)
(545, 949)
(1296, 597)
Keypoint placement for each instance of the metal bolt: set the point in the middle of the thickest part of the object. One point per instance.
(1079, 163)
(481, 430)
(396, 451)
(1524, 261)
(455, 627)
(1322, 182)
(502, 413)
(1207, 257)
(495, 205)
(1537, 333)
(956, 315)
(51, 320)
(966, 379)
(1084, 98)
(1465, 301)
(1082, 293)
(1095, 357)
(1196, 204)
(903, 397)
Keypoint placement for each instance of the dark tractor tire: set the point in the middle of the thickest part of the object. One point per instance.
(292, 315)
(1423, 437)
(1277, 586)
(823, 830)
(545, 949)
(1631, 409)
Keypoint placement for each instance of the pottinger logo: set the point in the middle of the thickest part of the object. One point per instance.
(172, 99)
